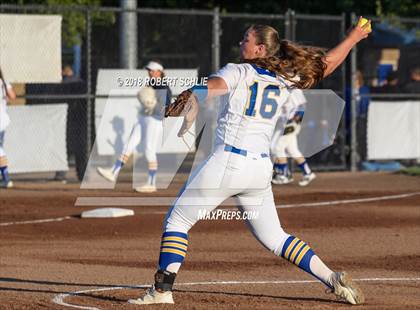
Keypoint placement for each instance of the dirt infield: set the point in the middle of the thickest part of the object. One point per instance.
(42, 265)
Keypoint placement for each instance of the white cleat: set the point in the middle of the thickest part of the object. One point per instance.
(8, 184)
(345, 289)
(153, 297)
(307, 179)
(281, 179)
(147, 188)
(107, 174)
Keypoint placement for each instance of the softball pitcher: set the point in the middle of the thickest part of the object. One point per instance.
(6, 93)
(147, 131)
(240, 166)
(284, 143)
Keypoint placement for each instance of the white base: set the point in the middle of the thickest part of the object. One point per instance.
(107, 212)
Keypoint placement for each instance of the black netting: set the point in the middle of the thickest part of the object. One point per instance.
(179, 41)
(323, 33)
(326, 33)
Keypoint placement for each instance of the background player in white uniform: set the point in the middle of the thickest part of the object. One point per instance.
(147, 130)
(285, 144)
(240, 166)
(6, 93)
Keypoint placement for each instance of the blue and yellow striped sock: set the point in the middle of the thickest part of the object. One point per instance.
(119, 164)
(304, 167)
(151, 180)
(3, 166)
(299, 253)
(153, 166)
(172, 250)
(5, 174)
(281, 168)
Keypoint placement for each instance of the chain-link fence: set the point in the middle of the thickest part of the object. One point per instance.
(386, 75)
(72, 90)
(203, 40)
(325, 31)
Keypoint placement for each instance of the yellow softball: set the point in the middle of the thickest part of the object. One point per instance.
(363, 21)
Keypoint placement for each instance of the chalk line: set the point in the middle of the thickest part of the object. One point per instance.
(59, 299)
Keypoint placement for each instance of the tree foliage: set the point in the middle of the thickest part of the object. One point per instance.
(74, 22)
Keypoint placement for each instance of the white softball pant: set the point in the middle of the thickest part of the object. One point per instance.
(225, 174)
(283, 146)
(148, 131)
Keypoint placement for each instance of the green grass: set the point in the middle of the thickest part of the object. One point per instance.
(415, 170)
